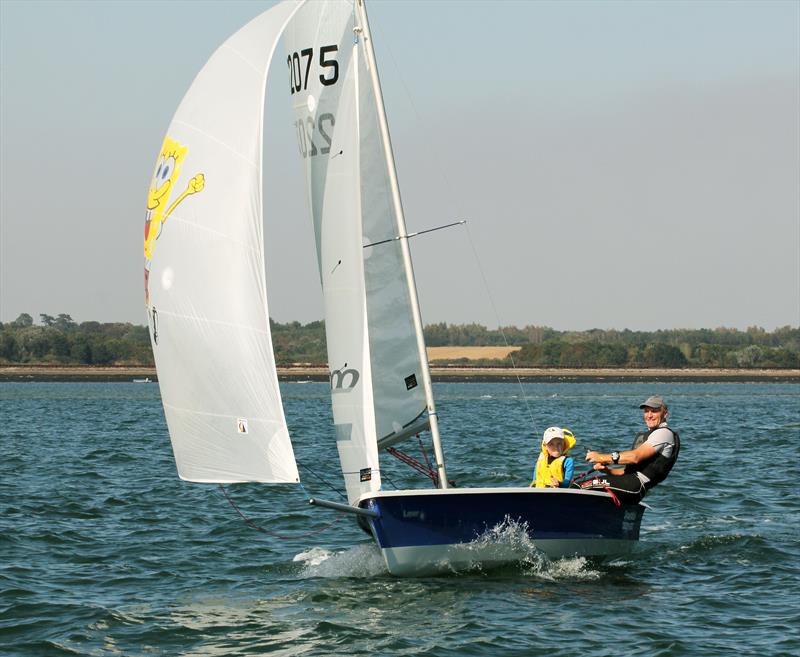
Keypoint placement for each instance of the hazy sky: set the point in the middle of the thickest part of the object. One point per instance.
(620, 164)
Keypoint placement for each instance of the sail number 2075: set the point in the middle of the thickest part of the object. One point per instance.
(300, 67)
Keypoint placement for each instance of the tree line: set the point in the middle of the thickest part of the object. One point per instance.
(58, 340)
(674, 348)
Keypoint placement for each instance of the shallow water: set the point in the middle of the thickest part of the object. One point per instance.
(103, 551)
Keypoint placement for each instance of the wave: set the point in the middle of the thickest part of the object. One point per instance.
(514, 536)
(358, 561)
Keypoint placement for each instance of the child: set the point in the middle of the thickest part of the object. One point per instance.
(553, 467)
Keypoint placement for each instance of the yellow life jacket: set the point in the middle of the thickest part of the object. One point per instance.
(555, 468)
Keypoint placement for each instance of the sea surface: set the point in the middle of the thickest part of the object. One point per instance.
(104, 551)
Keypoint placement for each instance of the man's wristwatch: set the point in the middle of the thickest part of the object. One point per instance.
(615, 457)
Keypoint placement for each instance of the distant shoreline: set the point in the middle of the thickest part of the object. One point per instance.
(439, 374)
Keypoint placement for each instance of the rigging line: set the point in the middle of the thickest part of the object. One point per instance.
(424, 453)
(384, 476)
(583, 475)
(413, 463)
(434, 152)
(455, 199)
(321, 479)
(499, 324)
(250, 523)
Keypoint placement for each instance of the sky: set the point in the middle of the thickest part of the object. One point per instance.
(619, 164)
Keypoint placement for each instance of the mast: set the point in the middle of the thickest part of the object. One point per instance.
(400, 223)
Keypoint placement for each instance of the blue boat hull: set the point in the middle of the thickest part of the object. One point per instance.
(428, 531)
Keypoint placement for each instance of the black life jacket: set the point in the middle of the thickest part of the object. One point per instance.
(658, 466)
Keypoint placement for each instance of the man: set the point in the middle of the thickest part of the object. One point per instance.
(647, 462)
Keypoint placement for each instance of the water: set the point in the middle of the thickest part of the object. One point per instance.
(103, 551)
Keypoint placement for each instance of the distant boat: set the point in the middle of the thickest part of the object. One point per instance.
(144, 380)
(208, 315)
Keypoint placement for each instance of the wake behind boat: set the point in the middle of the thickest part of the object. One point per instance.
(206, 296)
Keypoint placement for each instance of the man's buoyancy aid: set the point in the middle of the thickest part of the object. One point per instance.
(555, 468)
(657, 467)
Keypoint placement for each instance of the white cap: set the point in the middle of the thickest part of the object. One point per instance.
(552, 432)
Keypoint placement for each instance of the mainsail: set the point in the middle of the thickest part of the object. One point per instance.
(375, 369)
(204, 271)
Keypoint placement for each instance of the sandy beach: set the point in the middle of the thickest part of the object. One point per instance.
(128, 374)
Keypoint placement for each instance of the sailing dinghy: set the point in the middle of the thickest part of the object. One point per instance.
(206, 296)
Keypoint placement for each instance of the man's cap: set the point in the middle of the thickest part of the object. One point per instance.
(551, 433)
(655, 402)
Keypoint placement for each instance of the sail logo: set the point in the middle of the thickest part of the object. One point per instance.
(344, 380)
(168, 168)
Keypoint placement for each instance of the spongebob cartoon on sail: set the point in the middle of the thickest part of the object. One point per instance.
(168, 168)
